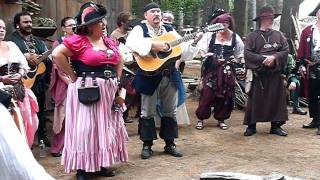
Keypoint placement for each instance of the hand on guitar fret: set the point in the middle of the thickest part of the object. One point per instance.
(197, 37)
(31, 58)
(160, 46)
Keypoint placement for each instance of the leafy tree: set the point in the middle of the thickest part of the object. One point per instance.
(188, 7)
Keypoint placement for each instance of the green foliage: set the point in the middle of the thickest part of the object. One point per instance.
(188, 7)
(134, 7)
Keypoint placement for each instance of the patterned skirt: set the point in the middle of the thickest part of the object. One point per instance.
(95, 135)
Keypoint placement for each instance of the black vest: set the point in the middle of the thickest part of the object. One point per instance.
(222, 51)
(147, 84)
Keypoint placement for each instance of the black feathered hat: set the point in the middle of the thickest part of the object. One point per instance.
(90, 13)
(216, 13)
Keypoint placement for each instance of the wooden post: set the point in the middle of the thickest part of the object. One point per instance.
(7, 12)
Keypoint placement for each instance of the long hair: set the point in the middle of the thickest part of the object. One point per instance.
(123, 17)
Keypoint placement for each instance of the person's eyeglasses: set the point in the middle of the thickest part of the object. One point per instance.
(70, 25)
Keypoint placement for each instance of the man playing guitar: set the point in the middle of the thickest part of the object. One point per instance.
(33, 48)
(160, 86)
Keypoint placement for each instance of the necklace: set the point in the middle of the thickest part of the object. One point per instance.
(267, 44)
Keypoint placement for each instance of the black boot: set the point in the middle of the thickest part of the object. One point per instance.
(82, 175)
(298, 110)
(147, 129)
(251, 130)
(318, 131)
(171, 148)
(277, 130)
(146, 152)
(105, 172)
(310, 125)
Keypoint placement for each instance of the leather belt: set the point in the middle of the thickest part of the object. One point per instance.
(106, 74)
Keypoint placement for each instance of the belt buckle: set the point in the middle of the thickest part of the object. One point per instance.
(107, 73)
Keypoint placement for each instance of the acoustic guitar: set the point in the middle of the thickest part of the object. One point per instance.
(155, 60)
(36, 70)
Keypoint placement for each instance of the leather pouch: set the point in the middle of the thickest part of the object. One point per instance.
(90, 94)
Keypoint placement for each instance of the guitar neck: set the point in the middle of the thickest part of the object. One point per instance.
(211, 28)
(44, 56)
(183, 39)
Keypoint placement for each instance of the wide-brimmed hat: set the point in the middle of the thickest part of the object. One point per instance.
(90, 13)
(314, 12)
(266, 12)
(216, 13)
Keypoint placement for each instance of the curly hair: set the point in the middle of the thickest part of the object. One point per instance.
(16, 19)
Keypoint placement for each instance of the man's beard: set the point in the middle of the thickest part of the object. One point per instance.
(24, 31)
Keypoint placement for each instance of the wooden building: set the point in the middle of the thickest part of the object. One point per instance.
(57, 9)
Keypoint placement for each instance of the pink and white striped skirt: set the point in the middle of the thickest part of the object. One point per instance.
(95, 135)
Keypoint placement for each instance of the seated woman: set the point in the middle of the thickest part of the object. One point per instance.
(13, 65)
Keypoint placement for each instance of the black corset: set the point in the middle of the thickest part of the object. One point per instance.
(14, 68)
(19, 91)
(222, 51)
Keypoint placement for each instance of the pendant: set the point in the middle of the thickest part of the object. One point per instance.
(109, 53)
(267, 46)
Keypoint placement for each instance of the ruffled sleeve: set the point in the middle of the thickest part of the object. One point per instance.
(17, 56)
(76, 44)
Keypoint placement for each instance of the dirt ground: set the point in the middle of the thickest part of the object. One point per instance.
(213, 150)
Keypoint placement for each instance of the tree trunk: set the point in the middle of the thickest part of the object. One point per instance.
(210, 5)
(140, 6)
(290, 7)
(260, 4)
(252, 8)
(241, 16)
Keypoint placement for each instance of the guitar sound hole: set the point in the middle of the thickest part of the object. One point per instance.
(32, 67)
(163, 55)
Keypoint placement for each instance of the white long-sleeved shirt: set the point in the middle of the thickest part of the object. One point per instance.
(136, 42)
(15, 56)
(204, 43)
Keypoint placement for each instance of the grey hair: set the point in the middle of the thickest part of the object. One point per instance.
(168, 14)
